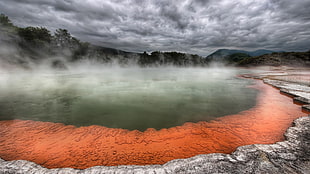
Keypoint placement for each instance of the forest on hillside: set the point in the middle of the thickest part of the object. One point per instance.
(32, 45)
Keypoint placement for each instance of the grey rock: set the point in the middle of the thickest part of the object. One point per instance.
(302, 100)
(301, 93)
(306, 108)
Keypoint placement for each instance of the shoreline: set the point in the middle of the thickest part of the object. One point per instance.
(191, 126)
(289, 156)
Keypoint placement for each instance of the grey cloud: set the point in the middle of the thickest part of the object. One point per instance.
(171, 12)
(291, 10)
(194, 26)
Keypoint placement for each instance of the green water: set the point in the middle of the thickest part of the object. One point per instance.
(130, 98)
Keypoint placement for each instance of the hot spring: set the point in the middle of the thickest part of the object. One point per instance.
(129, 98)
(61, 119)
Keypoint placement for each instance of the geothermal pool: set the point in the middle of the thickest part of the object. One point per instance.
(132, 98)
(129, 98)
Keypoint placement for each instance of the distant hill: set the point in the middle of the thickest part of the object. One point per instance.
(220, 54)
(278, 59)
(260, 58)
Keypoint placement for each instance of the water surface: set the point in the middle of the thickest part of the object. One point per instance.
(130, 98)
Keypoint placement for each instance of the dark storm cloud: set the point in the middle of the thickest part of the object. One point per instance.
(195, 26)
(293, 11)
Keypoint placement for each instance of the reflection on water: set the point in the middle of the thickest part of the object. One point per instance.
(126, 97)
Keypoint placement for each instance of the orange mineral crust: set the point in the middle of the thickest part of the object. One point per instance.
(54, 145)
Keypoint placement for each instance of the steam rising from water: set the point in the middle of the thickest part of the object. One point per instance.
(131, 98)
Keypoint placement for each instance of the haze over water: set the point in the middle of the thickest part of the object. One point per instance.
(129, 98)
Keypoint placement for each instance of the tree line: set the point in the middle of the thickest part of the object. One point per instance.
(39, 40)
(40, 43)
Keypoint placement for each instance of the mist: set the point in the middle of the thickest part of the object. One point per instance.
(130, 97)
(58, 78)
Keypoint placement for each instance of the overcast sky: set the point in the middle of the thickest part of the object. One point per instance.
(192, 26)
